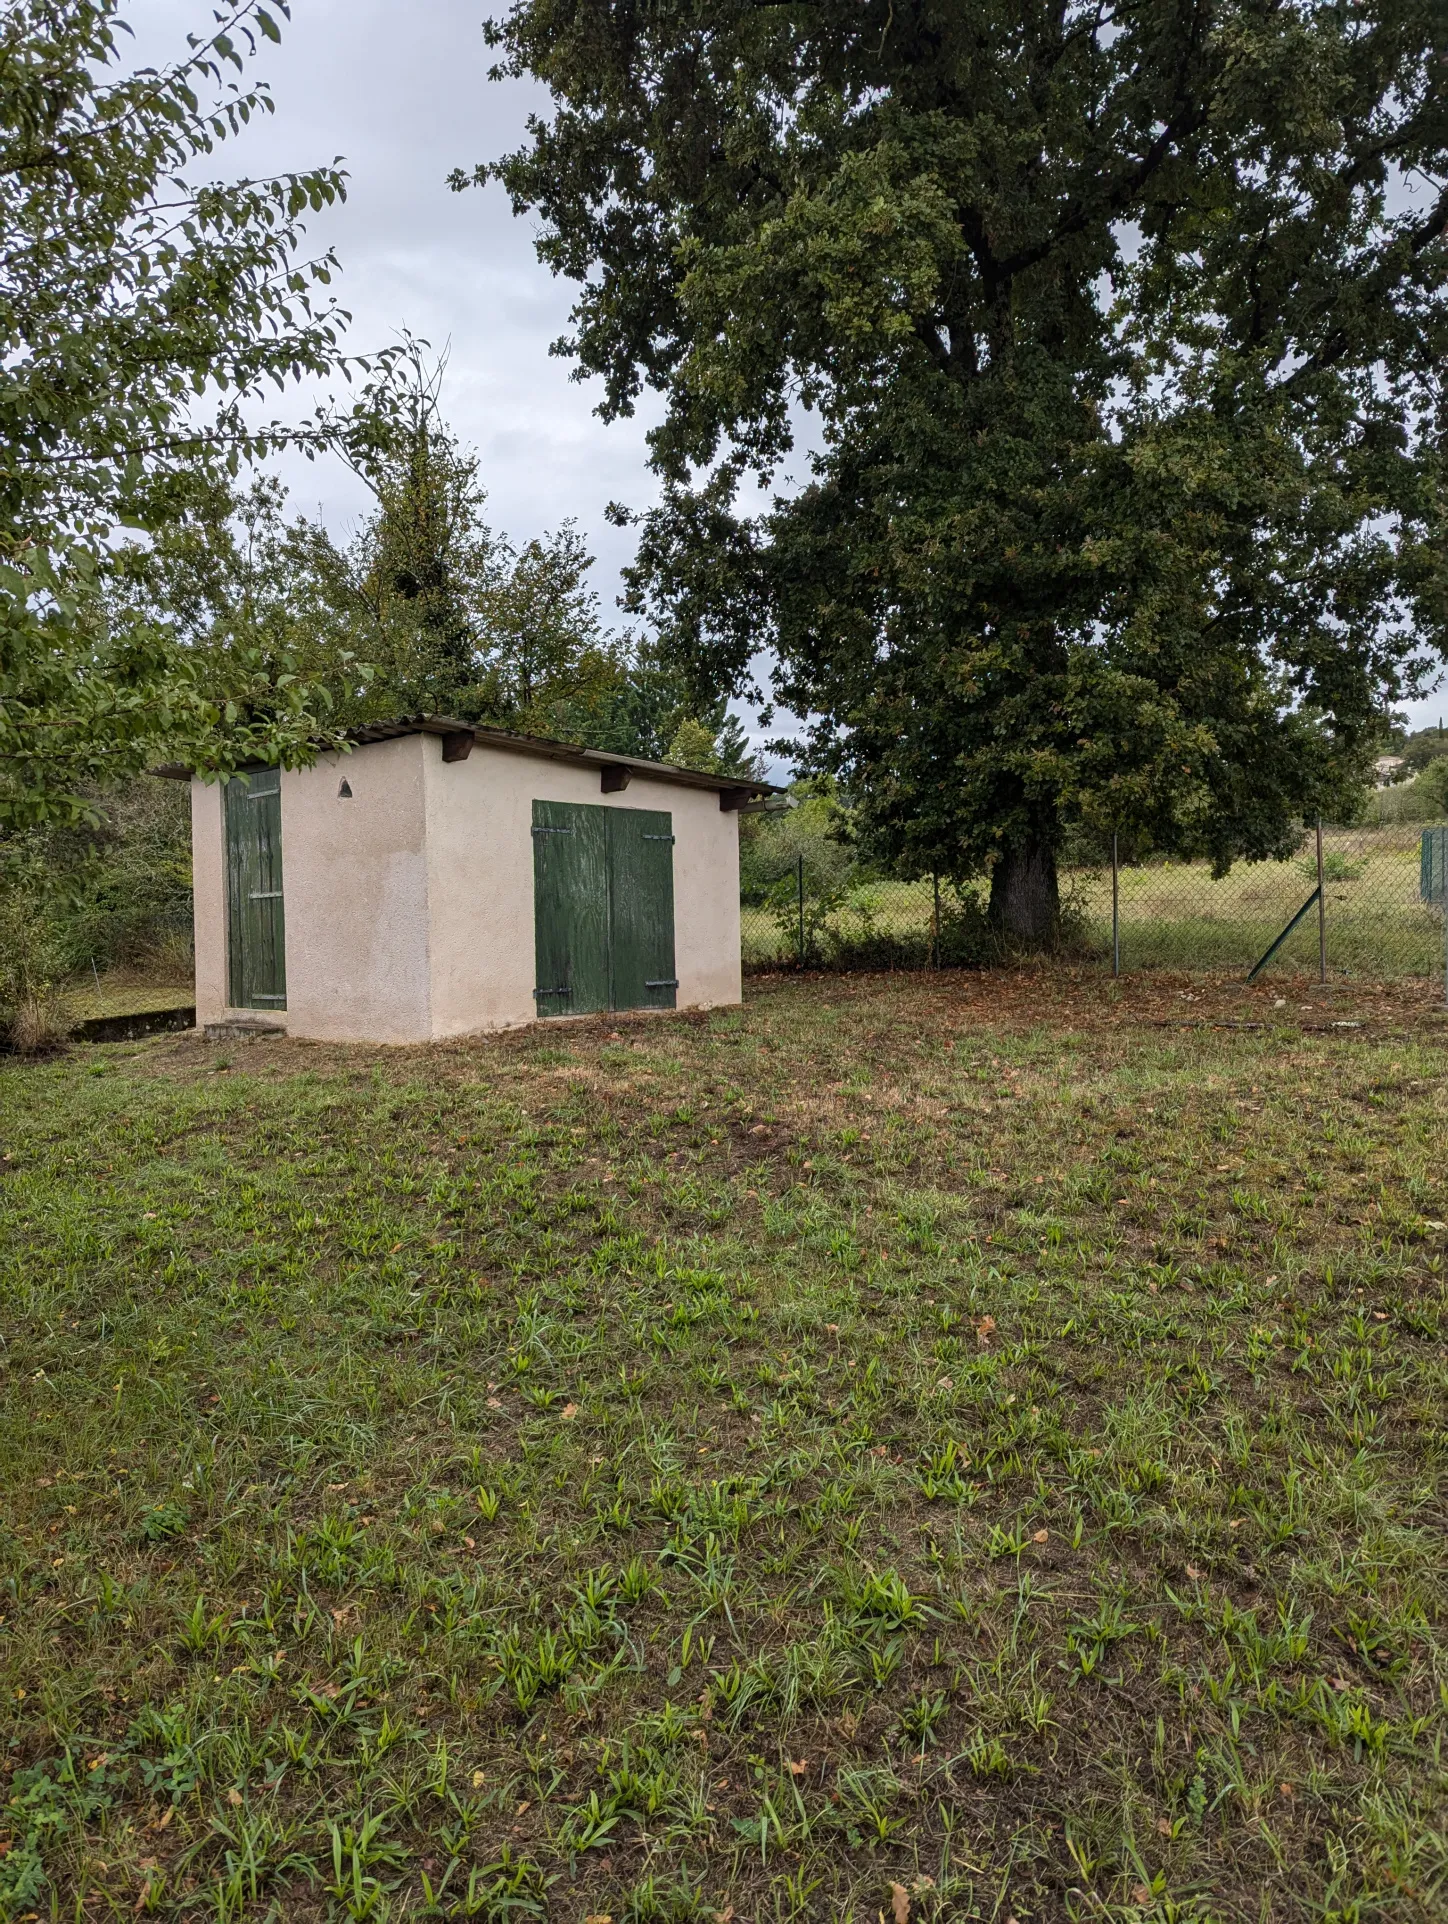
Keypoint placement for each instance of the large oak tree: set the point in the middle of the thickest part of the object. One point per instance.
(1120, 328)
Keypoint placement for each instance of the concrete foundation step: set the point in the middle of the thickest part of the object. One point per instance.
(243, 1028)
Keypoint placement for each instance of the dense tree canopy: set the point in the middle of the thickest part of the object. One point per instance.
(143, 313)
(1121, 328)
(422, 608)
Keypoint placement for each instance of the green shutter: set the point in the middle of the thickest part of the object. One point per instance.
(255, 911)
(570, 908)
(603, 908)
(641, 889)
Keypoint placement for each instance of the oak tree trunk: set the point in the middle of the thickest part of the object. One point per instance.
(1025, 897)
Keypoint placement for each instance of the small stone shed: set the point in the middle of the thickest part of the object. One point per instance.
(442, 880)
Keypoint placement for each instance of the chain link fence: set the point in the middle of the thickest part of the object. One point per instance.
(1379, 912)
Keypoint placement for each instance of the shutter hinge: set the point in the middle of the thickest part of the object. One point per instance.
(265, 895)
(658, 838)
(554, 831)
(672, 982)
(543, 992)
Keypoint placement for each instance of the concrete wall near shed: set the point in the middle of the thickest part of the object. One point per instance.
(409, 906)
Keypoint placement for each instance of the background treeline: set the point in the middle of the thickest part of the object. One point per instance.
(1419, 790)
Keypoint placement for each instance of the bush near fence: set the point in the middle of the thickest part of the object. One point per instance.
(1383, 914)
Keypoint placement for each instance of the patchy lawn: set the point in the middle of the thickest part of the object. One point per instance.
(932, 1448)
(123, 992)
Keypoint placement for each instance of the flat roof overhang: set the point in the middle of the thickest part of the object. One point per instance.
(459, 738)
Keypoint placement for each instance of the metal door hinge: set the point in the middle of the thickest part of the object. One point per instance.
(265, 895)
(658, 838)
(671, 983)
(554, 831)
(543, 992)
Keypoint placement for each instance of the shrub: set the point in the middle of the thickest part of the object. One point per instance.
(32, 954)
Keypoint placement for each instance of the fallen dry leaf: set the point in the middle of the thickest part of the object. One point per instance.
(1140, 1894)
(799, 1769)
(569, 1411)
(1163, 1825)
(984, 1328)
(1041, 1536)
(1194, 1573)
(900, 1903)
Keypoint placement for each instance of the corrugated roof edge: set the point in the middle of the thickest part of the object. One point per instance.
(541, 745)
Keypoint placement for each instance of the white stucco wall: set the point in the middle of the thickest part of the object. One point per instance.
(355, 878)
(409, 906)
(208, 892)
(480, 882)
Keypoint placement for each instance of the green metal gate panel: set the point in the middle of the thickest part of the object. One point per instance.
(1433, 865)
(641, 891)
(570, 908)
(255, 910)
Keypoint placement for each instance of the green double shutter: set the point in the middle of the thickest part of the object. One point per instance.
(603, 892)
(255, 917)
(570, 908)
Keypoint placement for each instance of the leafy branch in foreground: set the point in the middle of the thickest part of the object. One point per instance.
(142, 318)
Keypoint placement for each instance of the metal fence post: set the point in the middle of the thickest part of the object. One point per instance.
(1115, 910)
(935, 925)
(799, 884)
(1321, 911)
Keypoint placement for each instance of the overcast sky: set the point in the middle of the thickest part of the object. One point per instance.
(399, 90)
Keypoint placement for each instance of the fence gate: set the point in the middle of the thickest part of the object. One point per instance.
(603, 908)
(1433, 866)
(255, 911)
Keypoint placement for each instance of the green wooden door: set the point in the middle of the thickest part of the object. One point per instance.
(603, 908)
(641, 900)
(570, 908)
(255, 917)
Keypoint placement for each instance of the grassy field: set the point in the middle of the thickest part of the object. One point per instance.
(122, 992)
(1177, 915)
(934, 1449)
